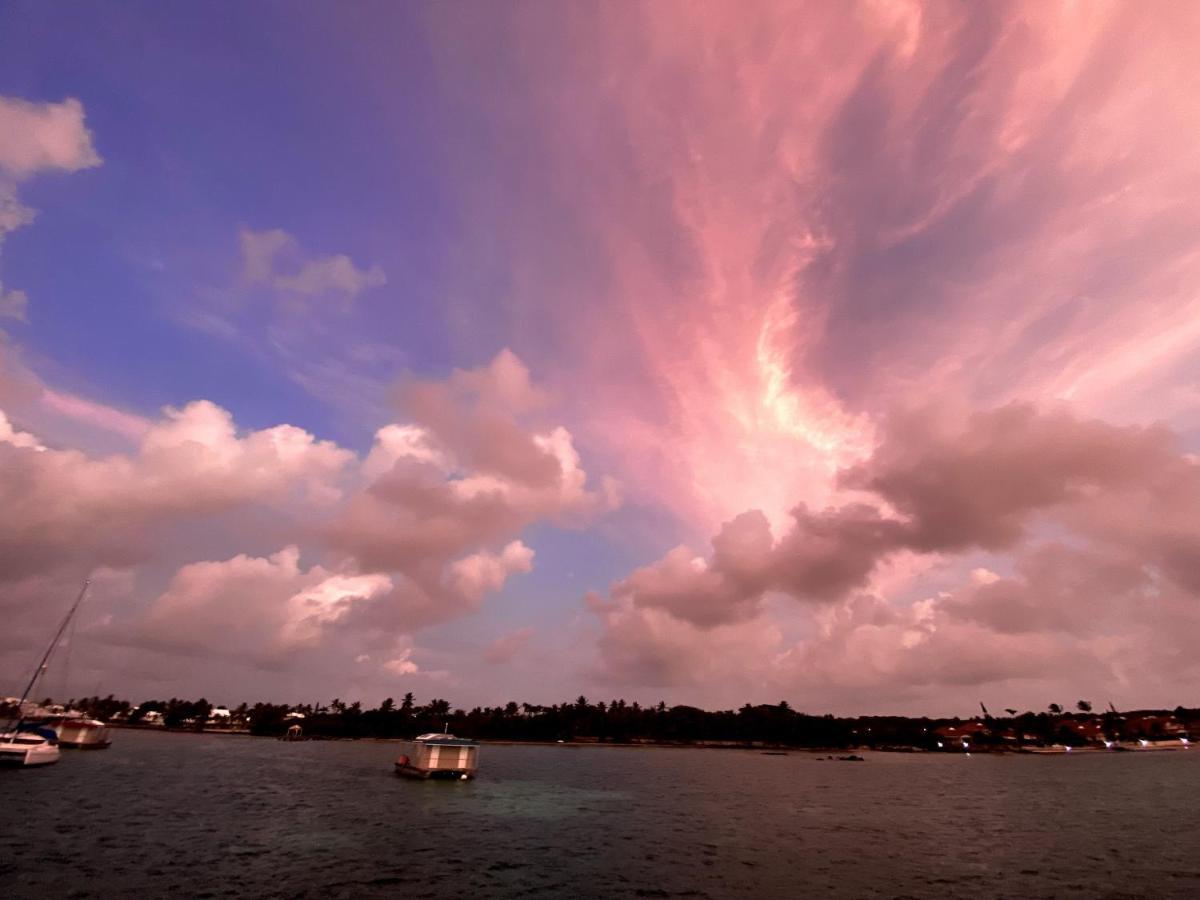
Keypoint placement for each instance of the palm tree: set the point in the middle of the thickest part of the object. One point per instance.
(1055, 709)
(1084, 706)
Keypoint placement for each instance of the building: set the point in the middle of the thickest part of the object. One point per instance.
(962, 734)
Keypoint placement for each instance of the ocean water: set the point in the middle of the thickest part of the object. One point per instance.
(182, 815)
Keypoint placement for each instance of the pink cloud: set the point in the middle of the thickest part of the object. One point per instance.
(743, 245)
(35, 137)
(421, 530)
(44, 136)
(506, 647)
(68, 508)
(251, 608)
(794, 220)
(273, 258)
(482, 573)
(96, 414)
(1121, 575)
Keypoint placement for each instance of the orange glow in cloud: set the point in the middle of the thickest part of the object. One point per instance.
(805, 217)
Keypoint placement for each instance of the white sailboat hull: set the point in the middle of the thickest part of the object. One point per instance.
(26, 750)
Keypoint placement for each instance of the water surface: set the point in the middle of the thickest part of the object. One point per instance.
(222, 816)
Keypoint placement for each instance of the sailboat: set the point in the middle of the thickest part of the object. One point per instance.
(29, 744)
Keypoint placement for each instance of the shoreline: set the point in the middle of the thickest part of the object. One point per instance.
(1166, 746)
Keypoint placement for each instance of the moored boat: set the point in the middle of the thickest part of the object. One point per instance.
(80, 732)
(28, 747)
(28, 744)
(440, 756)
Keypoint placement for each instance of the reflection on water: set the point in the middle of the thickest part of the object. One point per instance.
(214, 816)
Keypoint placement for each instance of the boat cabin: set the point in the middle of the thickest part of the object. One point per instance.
(79, 731)
(440, 756)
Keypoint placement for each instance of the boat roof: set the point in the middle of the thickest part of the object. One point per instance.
(445, 740)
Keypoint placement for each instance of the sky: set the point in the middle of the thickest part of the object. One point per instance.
(842, 354)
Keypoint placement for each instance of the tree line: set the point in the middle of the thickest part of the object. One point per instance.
(615, 721)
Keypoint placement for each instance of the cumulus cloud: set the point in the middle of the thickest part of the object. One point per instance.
(9, 435)
(402, 663)
(35, 137)
(467, 469)
(478, 413)
(1121, 501)
(38, 137)
(67, 508)
(421, 529)
(252, 608)
(481, 573)
(273, 258)
(443, 495)
(644, 646)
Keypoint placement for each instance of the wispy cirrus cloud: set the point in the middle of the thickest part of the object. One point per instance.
(782, 229)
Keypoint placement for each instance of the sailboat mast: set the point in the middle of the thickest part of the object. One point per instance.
(50, 650)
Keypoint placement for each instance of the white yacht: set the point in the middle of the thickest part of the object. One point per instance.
(80, 731)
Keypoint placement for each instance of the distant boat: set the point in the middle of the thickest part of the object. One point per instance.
(440, 756)
(27, 744)
(80, 731)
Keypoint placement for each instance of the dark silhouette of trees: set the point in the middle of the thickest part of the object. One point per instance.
(619, 722)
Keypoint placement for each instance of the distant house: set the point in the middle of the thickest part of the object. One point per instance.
(1089, 730)
(962, 734)
(1152, 725)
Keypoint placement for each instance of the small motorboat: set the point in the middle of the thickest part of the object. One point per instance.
(27, 747)
(440, 756)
